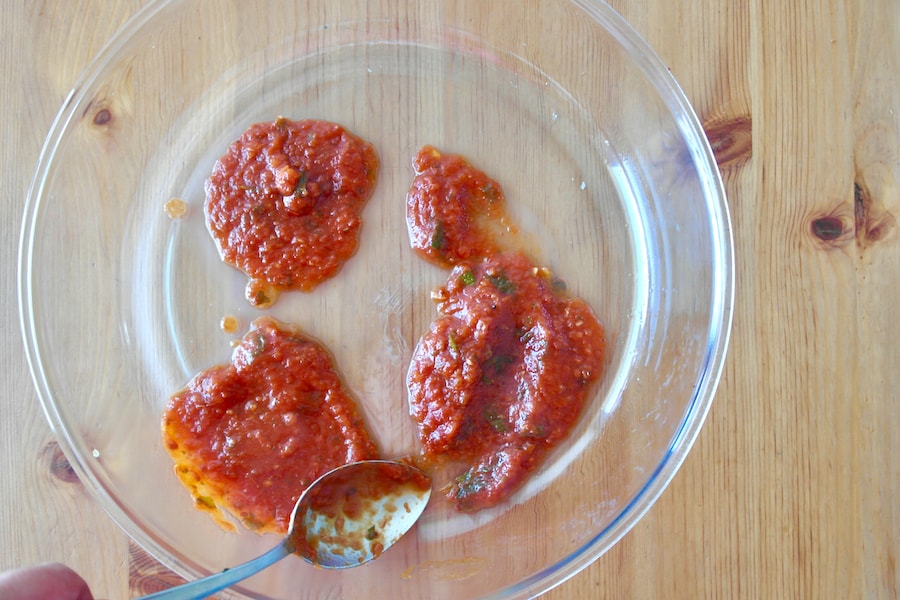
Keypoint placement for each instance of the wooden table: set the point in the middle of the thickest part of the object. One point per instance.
(792, 488)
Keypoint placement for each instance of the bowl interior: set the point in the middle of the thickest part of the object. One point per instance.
(603, 165)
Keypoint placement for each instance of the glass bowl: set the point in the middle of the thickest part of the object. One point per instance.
(604, 165)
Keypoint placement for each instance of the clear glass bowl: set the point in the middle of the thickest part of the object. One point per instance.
(605, 167)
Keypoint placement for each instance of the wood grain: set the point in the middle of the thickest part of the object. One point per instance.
(791, 490)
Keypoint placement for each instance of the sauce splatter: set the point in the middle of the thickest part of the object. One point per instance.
(229, 324)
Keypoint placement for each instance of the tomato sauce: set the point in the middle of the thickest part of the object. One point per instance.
(453, 211)
(283, 204)
(251, 436)
(503, 373)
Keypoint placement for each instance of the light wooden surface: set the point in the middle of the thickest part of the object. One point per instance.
(792, 488)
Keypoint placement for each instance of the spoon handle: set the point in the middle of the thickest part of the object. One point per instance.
(201, 588)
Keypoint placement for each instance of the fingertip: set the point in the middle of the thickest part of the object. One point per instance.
(50, 580)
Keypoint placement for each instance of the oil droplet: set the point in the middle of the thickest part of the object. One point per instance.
(175, 208)
(229, 324)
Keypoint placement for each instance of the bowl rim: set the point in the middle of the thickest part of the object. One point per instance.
(718, 333)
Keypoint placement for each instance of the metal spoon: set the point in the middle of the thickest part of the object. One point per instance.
(346, 518)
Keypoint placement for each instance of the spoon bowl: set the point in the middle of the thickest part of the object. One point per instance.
(352, 514)
(345, 518)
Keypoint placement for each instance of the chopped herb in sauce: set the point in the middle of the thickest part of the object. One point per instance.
(502, 283)
(467, 278)
(497, 363)
(300, 191)
(259, 346)
(451, 341)
(490, 191)
(496, 420)
(472, 481)
(438, 238)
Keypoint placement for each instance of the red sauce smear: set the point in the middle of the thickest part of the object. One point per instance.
(251, 436)
(283, 204)
(502, 375)
(454, 211)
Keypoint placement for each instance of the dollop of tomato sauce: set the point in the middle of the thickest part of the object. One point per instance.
(251, 436)
(454, 211)
(503, 373)
(283, 203)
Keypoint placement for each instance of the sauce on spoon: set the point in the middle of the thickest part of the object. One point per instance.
(346, 518)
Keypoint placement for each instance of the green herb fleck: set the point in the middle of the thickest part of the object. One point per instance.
(467, 278)
(558, 285)
(206, 501)
(438, 238)
(499, 362)
(372, 533)
(490, 191)
(259, 342)
(494, 366)
(451, 340)
(300, 190)
(502, 283)
(474, 480)
(496, 420)
(469, 483)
